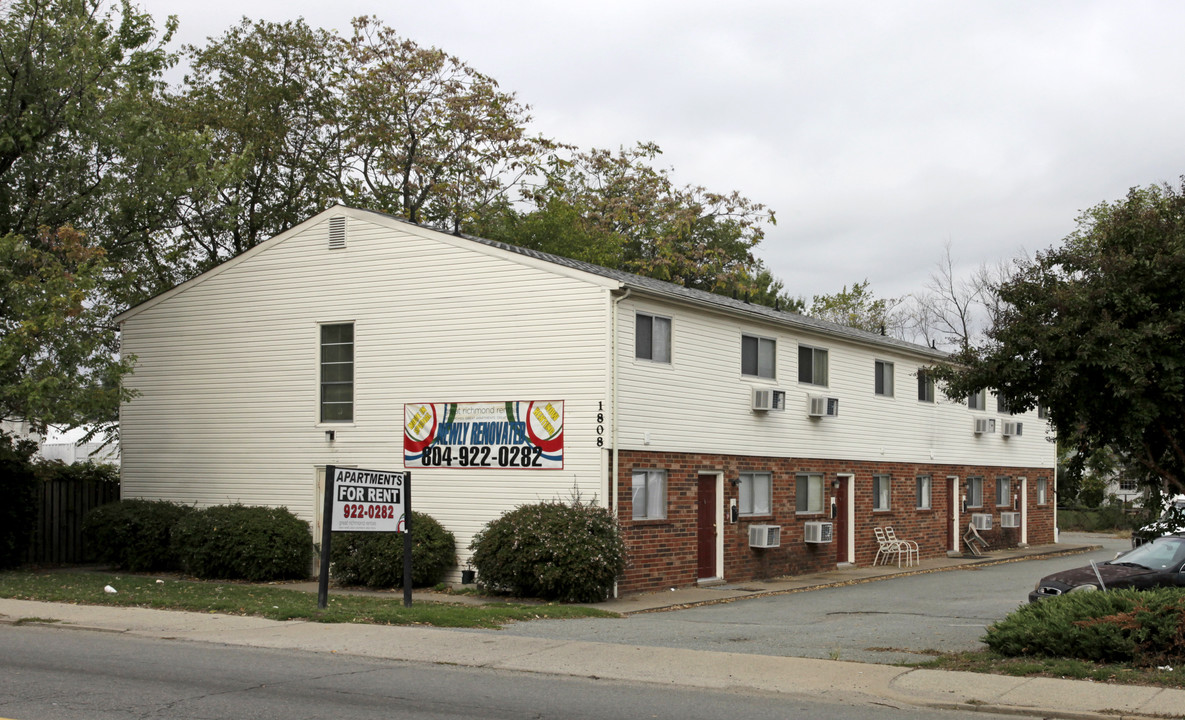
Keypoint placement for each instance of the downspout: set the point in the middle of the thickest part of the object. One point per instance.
(613, 478)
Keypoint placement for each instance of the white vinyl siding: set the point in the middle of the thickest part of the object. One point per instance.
(437, 318)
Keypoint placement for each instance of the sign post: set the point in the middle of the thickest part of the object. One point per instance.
(359, 500)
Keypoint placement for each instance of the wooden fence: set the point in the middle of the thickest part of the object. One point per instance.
(57, 537)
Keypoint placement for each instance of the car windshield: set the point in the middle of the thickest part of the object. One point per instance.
(1159, 554)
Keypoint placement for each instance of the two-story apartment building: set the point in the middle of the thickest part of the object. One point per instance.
(733, 441)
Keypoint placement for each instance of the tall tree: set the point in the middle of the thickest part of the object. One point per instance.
(428, 137)
(620, 210)
(71, 70)
(262, 99)
(1093, 332)
(57, 348)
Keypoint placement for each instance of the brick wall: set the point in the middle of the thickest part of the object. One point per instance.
(663, 552)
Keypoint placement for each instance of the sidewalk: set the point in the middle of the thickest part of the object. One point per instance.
(834, 680)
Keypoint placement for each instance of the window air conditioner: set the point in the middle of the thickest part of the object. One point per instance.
(765, 536)
(981, 521)
(763, 399)
(818, 532)
(1010, 519)
(1012, 429)
(820, 406)
(985, 425)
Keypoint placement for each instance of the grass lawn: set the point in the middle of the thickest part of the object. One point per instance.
(274, 602)
(987, 661)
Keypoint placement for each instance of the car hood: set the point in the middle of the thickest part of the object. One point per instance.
(1112, 574)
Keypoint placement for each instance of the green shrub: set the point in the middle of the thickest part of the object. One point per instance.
(134, 535)
(240, 542)
(1142, 627)
(551, 550)
(376, 559)
(18, 488)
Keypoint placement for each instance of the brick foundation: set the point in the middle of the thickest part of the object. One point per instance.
(663, 552)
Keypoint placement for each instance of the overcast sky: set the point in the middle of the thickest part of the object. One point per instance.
(877, 130)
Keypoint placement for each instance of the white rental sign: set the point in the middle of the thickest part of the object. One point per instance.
(368, 500)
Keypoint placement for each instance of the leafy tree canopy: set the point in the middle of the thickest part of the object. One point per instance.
(57, 354)
(1093, 331)
(857, 308)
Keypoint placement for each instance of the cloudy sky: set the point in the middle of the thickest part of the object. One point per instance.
(878, 130)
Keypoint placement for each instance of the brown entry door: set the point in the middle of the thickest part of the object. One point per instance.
(706, 517)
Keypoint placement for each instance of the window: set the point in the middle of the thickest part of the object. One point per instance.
(755, 491)
(1003, 491)
(812, 365)
(337, 372)
(923, 492)
(1042, 491)
(1128, 486)
(652, 338)
(650, 494)
(1002, 404)
(757, 356)
(808, 492)
(883, 378)
(881, 492)
(974, 492)
(977, 400)
(925, 386)
(1042, 413)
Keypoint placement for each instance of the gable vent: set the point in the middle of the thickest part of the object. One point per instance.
(337, 233)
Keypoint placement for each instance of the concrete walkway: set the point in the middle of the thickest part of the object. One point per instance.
(826, 679)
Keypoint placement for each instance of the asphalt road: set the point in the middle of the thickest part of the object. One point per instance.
(51, 673)
(903, 619)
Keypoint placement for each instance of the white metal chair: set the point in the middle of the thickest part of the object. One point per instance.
(909, 547)
(975, 542)
(886, 547)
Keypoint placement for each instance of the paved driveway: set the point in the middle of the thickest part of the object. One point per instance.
(900, 619)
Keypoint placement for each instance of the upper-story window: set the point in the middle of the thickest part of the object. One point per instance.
(925, 386)
(1002, 404)
(977, 400)
(812, 365)
(882, 378)
(337, 372)
(758, 356)
(652, 338)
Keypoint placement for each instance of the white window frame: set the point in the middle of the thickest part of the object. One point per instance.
(659, 350)
(808, 493)
(924, 489)
(1042, 491)
(653, 487)
(1002, 404)
(977, 400)
(759, 344)
(324, 385)
(882, 375)
(815, 369)
(755, 493)
(1003, 491)
(925, 386)
(975, 492)
(882, 493)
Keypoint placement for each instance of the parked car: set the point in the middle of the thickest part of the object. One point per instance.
(1171, 521)
(1159, 563)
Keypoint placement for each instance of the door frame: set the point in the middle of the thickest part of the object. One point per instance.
(848, 513)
